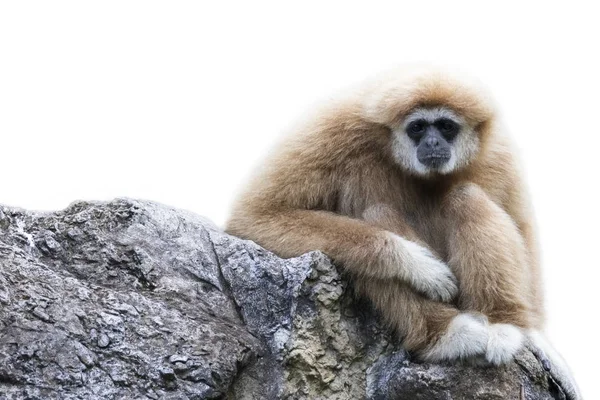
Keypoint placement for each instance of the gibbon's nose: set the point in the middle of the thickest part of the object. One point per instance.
(432, 141)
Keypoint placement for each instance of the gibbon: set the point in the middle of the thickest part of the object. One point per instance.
(410, 184)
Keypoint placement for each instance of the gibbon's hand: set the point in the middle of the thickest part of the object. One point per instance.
(424, 272)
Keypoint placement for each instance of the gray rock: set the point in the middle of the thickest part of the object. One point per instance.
(132, 300)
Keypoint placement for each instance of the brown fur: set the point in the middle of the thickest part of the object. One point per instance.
(318, 190)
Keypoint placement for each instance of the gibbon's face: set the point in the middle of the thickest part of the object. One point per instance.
(434, 141)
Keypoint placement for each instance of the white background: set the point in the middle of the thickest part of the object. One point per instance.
(177, 101)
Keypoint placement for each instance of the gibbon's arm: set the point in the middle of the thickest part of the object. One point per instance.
(364, 250)
(503, 179)
(520, 209)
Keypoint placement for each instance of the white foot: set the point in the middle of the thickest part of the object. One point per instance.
(466, 337)
(503, 343)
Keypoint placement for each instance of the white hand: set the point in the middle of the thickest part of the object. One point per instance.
(424, 272)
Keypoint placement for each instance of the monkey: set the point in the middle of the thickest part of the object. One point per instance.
(410, 183)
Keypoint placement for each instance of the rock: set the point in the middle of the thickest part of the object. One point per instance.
(132, 300)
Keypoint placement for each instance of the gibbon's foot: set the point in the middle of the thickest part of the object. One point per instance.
(466, 337)
(470, 338)
(553, 362)
(426, 273)
(504, 342)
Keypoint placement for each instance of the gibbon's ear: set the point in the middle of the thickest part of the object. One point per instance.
(392, 95)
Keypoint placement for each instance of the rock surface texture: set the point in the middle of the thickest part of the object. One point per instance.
(136, 300)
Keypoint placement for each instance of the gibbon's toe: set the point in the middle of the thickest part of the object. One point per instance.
(504, 342)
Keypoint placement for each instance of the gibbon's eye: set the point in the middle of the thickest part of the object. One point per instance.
(447, 127)
(416, 129)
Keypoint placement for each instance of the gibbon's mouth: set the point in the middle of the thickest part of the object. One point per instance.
(434, 160)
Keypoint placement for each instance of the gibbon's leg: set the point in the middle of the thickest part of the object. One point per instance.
(488, 256)
(435, 331)
(367, 252)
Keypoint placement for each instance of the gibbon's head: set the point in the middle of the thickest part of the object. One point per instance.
(434, 140)
(438, 123)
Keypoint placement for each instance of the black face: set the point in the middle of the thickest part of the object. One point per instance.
(433, 140)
